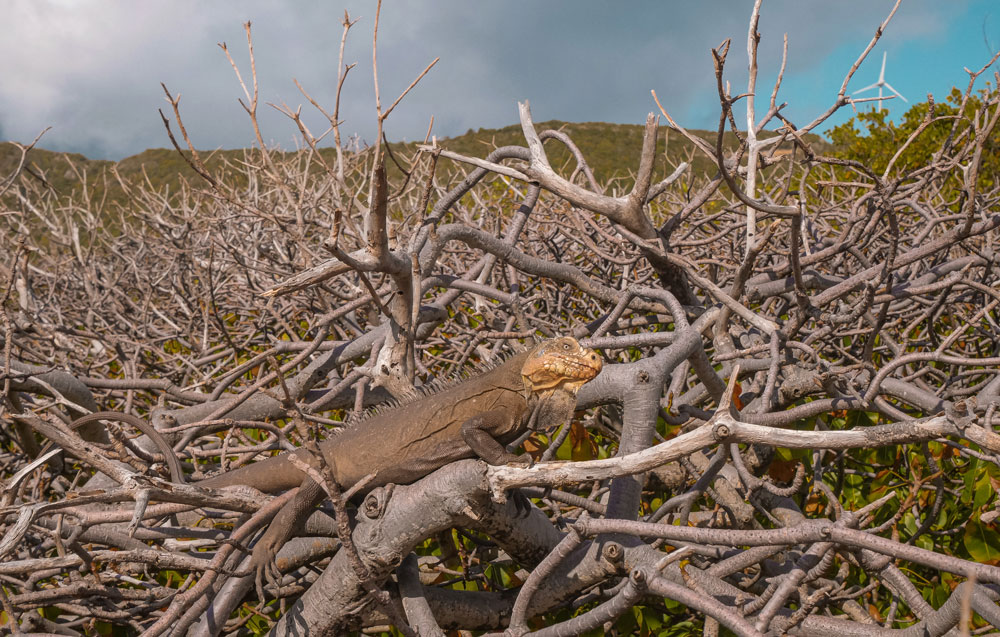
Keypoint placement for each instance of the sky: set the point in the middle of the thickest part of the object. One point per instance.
(91, 69)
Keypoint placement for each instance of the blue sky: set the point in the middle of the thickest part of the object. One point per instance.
(91, 69)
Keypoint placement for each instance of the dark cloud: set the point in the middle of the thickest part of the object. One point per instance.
(92, 70)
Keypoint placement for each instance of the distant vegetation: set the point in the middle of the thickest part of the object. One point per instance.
(610, 149)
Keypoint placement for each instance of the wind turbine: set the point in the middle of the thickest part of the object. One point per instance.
(880, 85)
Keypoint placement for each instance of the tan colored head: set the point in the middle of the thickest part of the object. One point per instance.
(560, 363)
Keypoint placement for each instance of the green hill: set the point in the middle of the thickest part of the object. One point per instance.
(612, 151)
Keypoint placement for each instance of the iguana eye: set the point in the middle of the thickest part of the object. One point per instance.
(565, 345)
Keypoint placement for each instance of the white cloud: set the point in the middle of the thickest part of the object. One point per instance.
(92, 69)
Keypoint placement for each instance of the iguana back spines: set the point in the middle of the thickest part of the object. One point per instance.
(430, 388)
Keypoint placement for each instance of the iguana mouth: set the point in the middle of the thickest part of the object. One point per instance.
(560, 362)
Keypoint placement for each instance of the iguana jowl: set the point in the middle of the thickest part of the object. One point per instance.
(474, 418)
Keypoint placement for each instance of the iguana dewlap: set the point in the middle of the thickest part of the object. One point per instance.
(472, 418)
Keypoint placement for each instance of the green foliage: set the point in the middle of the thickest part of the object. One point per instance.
(872, 139)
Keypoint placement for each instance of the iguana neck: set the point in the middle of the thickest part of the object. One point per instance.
(550, 408)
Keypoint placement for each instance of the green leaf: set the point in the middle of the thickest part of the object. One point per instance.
(981, 541)
(969, 477)
(983, 491)
(652, 619)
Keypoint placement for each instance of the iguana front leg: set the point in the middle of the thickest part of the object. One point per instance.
(477, 432)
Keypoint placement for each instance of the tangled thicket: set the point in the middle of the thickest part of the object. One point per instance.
(793, 431)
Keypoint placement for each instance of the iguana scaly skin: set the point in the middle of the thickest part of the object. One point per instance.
(474, 418)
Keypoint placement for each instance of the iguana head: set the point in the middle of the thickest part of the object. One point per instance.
(559, 363)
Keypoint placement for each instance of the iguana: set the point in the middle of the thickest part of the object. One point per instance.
(473, 418)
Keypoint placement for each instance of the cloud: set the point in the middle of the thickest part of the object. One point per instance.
(92, 70)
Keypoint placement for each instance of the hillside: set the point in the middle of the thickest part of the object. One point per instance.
(609, 148)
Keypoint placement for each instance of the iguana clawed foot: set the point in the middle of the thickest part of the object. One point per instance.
(264, 560)
(524, 461)
(522, 503)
